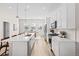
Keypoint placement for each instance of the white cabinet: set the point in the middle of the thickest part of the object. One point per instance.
(19, 48)
(67, 48)
(59, 20)
(55, 45)
(77, 16)
(63, 47)
(21, 45)
(77, 27)
(70, 15)
(66, 16)
(61, 17)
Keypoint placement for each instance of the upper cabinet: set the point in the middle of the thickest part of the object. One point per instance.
(77, 15)
(70, 16)
(61, 18)
(65, 16)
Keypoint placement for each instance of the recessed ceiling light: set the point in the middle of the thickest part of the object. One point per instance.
(44, 8)
(27, 6)
(10, 7)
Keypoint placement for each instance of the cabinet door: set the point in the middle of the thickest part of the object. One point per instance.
(67, 48)
(77, 15)
(63, 17)
(67, 16)
(19, 48)
(55, 45)
(59, 20)
(70, 16)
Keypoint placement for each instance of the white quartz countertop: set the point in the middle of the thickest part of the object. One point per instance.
(66, 39)
(63, 39)
(22, 37)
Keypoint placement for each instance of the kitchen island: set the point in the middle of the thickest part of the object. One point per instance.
(21, 45)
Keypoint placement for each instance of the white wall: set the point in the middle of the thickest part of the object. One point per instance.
(11, 22)
(8, 16)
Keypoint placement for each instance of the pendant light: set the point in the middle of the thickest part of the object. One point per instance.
(25, 10)
(17, 7)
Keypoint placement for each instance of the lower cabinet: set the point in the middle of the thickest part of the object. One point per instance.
(21, 46)
(18, 48)
(63, 46)
(55, 45)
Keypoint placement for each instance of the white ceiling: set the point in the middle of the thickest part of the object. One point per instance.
(31, 10)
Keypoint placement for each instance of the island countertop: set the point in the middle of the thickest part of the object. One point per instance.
(22, 37)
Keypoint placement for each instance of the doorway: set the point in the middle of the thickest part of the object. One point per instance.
(6, 29)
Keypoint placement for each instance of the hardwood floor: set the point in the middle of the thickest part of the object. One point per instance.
(41, 48)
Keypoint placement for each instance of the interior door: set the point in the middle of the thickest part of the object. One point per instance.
(6, 29)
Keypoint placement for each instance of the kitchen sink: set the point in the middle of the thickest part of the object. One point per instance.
(28, 35)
